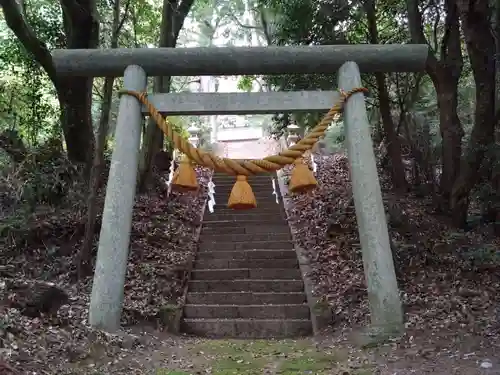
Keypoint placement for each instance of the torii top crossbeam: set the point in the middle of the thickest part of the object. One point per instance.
(240, 60)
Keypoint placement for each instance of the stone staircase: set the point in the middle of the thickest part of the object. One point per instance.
(246, 281)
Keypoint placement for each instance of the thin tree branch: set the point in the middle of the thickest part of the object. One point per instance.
(242, 25)
(180, 14)
(124, 18)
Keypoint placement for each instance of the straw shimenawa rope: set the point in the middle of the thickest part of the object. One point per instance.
(244, 167)
(242, 196)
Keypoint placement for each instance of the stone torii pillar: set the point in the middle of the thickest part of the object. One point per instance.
(383, 293)
(112, 255)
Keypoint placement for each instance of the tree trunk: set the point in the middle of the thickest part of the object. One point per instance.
(153, 139)
(173, 16)
(75, 97)
(493, 204)
(496, 30)
(451, 131)
(481, 48)
(85, 254)
(75, 94)
(393, 145)
(445, 74)
(81, 24)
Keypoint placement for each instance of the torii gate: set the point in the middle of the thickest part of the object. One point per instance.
(136, 64)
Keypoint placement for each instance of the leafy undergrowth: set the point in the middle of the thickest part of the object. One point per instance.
(450, 280)
(162, 244)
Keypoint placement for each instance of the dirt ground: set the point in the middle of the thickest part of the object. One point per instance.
(141, 353)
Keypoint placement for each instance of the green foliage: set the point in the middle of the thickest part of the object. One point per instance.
(300, 22)
(143, 24)
(45, 17)
(180, 126)
(335, 137)
(245, 83)
(27, 101)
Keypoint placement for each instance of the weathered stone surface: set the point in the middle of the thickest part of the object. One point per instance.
(241, 60)
(247, 311)
(248, 254)
(246, 274)
(250, 245)
(383, 293)
(112, 255)
(246, 298)
(248, 328)
(210, 238)
(242, 103)
(274, 218)
(170, 317)
(246, 263)
(248, 228)
(269, 285)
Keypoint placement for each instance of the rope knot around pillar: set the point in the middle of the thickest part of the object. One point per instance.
(242, 197)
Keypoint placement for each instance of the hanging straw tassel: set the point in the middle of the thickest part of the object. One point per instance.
(242, 196)
(302, 179)
(185, 177)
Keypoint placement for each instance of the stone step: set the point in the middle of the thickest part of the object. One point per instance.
(224, 223)
(249, 245)
(245, 285)
(247, 273)
(258, 189)
(237, 228)
(218, 238)
(245, 263)
(247, 328)
(263, 201)
(262, 208)
(246, 216)
(251, 179)
(228, 184)
(221, 196)
(245, 298)
(266, 205)
(260, 176)
(231, 214)
(248, 254)
(257, 185)
(290, 311)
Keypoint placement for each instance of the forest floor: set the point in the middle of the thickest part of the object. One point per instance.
(450, 284)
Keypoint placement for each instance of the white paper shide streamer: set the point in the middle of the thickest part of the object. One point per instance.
(171, 175)
(314, 165)
(275, 193)
(211, 194)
